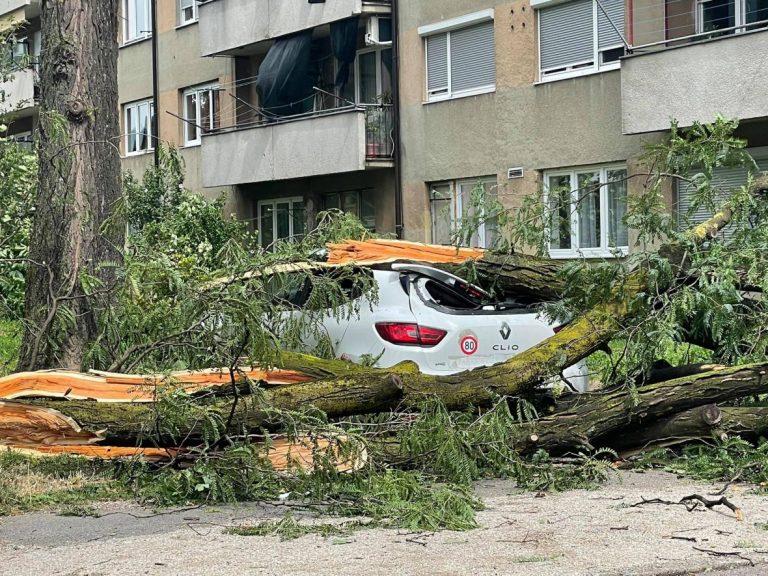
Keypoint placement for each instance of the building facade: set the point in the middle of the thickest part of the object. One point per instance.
(410, 115)
(559, 98)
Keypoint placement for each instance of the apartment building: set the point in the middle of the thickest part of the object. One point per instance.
(532, 96)
(19, 96)
(311, 124)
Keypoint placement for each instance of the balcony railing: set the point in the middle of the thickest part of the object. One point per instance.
(379, 132)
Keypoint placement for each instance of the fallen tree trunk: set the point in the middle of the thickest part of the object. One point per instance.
(613, 419)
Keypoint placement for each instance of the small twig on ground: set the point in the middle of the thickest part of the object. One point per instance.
(693, 501)
(720, 553)
(727, 485)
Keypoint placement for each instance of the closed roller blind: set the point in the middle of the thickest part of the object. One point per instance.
(473, 57)
(726, 180)
(606, 34)
(437, 62)
(566, 34)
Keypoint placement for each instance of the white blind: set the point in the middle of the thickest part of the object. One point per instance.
(437, 62)
(473, 57)
(725, 180)
(566, 34)
(606, 33)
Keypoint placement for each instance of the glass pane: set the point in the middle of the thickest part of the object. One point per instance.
(588, 202)
(618, 234)
(130, 128)
(331, 202)
(368, 91)
(471, 196)
(152, 126)
(351, 203)
(206, 109)
(718, 14)
(266, 225)
(190, 107)
(142, 18)
(386, 76)
(283, 214)
(385, 29)
(368, 210)
(757, 11)
(299, 219)
(143, 110)
(560, 212)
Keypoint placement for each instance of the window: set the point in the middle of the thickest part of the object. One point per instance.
(374, 76)
(586, 210)
(137, 20)
(139, 119)
(460, 56)
(281, 219)
(187, 11)
(201, 113)
(455, 203)
(359, 203)
(714, 15)
(580, 37)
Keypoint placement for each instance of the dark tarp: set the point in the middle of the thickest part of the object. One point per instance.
(344, 46)
(285, 77)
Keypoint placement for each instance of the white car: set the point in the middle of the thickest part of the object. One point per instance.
(435, 319)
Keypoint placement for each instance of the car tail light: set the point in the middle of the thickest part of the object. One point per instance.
(410, 334)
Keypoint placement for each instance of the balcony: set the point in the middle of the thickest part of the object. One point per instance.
(699, 77)
(228, 26)
(319, 143)
(19, 93)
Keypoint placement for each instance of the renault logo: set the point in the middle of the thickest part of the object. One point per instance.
(505, 331)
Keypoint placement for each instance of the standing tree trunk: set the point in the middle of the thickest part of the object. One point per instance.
(79, 182)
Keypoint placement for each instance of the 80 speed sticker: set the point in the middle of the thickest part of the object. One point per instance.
(468, 345)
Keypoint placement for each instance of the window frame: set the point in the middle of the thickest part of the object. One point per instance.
(363, 196)
(456, 211)
(739, 17)
(583, 67)
(378, 50)
(180, 14)
(128, 17)
(447, 27)
(291, 200)
(604, 250)
(211, 88)
(150, 136)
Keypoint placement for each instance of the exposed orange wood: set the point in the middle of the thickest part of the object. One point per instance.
(380, 251)
(107, 387)
(103, 452)
(35, 426)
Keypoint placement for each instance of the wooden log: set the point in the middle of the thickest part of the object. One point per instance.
(613, 418)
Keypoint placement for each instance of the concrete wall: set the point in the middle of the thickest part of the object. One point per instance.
(380, 182)
(310, 147)
(18, 94)
(7, 6)
(727, 76)
(537, 126)
(180, 67)
(227, 25)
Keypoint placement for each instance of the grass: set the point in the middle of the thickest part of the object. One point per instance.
(65, 484)
(10, 340)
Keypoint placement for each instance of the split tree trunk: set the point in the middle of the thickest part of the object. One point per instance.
(79, 180)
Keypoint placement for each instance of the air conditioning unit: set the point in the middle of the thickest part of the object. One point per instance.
(373, 36)
(513, 173)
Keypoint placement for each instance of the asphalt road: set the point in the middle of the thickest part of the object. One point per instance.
(578, 533)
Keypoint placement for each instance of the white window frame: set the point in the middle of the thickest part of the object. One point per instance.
(739, 17)
(197, 119)
(584, 67)
(129, 15)
(150, 135)
(379, 72)
(446, 27)
(604, 251)
(456, 204)
(181, 8)
(274, 202)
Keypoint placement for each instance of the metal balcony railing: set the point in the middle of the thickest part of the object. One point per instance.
(379, 132)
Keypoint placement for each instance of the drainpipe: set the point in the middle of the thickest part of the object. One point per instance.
(155, 88)
(396, 103)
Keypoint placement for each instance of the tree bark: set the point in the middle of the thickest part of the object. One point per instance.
(79, 181)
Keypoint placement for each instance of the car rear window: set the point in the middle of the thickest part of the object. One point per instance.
(449, 297)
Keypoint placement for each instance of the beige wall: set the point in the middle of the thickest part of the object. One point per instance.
(180, 66)
(537, 126)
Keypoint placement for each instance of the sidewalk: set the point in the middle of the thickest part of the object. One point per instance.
(582, 533)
